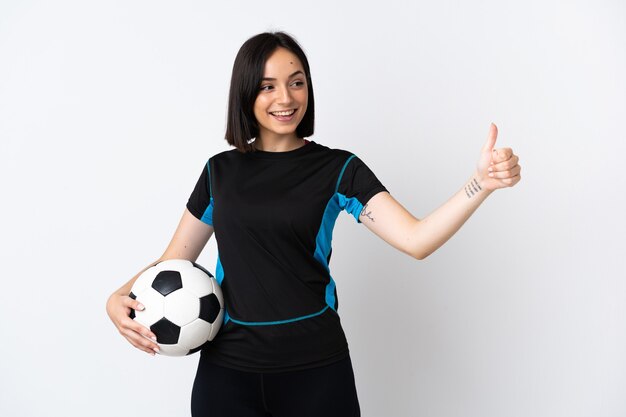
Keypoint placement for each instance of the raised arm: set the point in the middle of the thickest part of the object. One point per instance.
(388, 219)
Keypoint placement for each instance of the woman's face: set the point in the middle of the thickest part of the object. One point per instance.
(283, 89)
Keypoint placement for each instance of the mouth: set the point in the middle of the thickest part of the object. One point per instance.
(284, 116)
(283, 112)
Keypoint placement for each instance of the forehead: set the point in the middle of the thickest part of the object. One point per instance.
(281, 63)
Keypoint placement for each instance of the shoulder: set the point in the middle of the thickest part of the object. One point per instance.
(338, 153)
(227, 155)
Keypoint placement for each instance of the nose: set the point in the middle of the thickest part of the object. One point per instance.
(284, 96)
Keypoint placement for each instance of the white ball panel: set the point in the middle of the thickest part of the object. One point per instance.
(194, 334)
(196, 281)
(173, 350)
(144, 281)
(153, 303)
(217, 290)
(181, 307)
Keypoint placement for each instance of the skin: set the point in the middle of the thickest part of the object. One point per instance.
(283, 88)
(382, 214)
(389, 220)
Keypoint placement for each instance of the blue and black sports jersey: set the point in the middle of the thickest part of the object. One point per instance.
(273, 214)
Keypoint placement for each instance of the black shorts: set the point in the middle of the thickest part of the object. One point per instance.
(328, 391)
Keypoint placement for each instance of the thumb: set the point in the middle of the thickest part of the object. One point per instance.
(491, 139)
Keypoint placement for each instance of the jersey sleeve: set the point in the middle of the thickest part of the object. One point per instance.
(200, 202)
(357, 185)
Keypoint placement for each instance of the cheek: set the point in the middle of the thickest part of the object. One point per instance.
(303, 95)
(259, 108)
(304, 101)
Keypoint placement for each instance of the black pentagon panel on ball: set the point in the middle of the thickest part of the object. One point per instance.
(133, 296)
(167, 282)
(202, 268)
(209, 308)
(166, 331)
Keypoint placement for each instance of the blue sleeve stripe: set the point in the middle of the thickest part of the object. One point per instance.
(352, 205)
(342, 171)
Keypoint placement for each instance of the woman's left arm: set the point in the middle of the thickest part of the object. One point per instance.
(387, 218)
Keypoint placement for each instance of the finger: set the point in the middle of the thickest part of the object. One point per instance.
(137, 335)
(509, 182)
(134, 304)
(502, 166)
(137, 339)
(491, 138)
(139, 329)
(502, 154)
(508, 173)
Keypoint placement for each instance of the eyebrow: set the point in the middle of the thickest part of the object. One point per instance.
(274, 79)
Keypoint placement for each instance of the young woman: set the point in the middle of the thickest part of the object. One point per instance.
(272, 203)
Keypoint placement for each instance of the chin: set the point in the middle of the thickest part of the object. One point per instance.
(284, 131)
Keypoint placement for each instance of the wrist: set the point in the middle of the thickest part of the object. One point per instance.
(478, 184)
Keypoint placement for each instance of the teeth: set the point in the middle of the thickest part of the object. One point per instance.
(283, 113)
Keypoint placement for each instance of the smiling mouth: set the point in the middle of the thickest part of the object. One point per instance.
(283, 113)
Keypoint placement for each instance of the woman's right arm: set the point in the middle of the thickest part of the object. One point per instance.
(187, 243)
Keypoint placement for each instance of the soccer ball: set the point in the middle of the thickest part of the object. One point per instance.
(184, 306)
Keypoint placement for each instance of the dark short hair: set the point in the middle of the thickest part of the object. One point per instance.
(241, 124)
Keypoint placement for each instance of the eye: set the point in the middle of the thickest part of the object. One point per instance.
(265, 87)
(298, 83)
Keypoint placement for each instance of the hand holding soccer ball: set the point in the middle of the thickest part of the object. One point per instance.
(184, 308)
(118, 309)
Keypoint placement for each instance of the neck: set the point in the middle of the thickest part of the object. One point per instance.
(278, 145)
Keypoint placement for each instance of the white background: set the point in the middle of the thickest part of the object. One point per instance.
(109, 110)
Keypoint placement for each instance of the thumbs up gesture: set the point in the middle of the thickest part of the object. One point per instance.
(497, 168)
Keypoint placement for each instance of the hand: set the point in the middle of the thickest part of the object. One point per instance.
(501, 163)
(118, 309)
